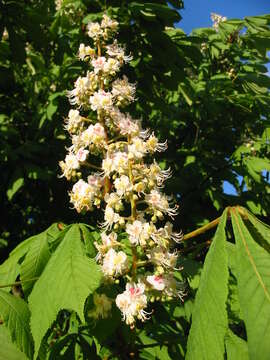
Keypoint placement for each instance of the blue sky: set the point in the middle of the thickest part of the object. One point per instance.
(196, 14)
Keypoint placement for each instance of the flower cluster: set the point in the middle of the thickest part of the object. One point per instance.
(217, 19)
(125, 182)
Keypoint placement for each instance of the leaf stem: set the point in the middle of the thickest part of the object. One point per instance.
(202, 229)
(16, 283)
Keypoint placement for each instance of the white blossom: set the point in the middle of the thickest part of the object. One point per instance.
(102, 306)
(122, 185)
(101, 100)
(132, 303)
(114, 263)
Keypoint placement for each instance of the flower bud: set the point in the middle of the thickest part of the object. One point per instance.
(122, 222)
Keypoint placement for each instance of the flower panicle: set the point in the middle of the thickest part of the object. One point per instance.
(125, 182)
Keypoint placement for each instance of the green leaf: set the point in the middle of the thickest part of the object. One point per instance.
(89, 237)
(14, 187)
(67, 280)
(10, 269)
(35, 261)
(236, 347)
(15, 315)
(209, 317)
(263, 229)
(8, 350)
(253, 279)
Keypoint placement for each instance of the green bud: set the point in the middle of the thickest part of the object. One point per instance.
(154, 219)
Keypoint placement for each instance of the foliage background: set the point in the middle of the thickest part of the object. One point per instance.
(207, 93)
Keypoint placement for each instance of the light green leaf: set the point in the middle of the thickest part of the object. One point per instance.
(67, 280)
(253, 279)
(35, 261)
(8, 350)
(89, 237)
(15, 315)
(209, 317)
(14, 187)
(10, 269)
(263, 229)
(236, 347)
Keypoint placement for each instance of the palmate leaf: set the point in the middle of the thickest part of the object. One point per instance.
(253, 279)
(15, 315)
(67, 280)
(209, 317)
(8, 350)
(35, 261)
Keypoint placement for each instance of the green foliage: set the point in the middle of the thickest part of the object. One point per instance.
(236, 347)
(209, 316)
(227, 318)
(35, 261)
(8, 350)
(254, 288)
(15, 316)
(65, 289)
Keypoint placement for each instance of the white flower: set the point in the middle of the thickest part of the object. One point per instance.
(122, 185)
(160, 202)
(109, 23)
(159, 175)
(101, 100)
(114, 263)
(123, 91)
(120, 161)
(98, 64)
(84, 87)
(108, 241)
(111, 66)
(94, 30)
(161, 256)
(132, 303)
(153, 145)
(103, 306)
(138, 232)
(157, 282)
(126, 125)
(94, 134)
(95, 180)
(116, 51)
(166, 233)
(82, 154)
(110, 217)
(117, 161)
(74, 121)
(82, 195)
(217, 19)
(85, 51)
(137, 149)
(68, 166)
